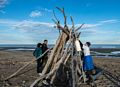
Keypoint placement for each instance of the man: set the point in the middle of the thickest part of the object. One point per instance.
(44, 48)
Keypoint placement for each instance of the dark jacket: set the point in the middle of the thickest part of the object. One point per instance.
(44, 48)
(37, 52)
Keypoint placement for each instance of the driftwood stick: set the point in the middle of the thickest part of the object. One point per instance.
(79, 27)
(55, 17)
(65, 17)
(57, 65)
(57, 22)
(60, 27)
(15, 73)
(67, 59)
(50, 59)
(57, 56)
(73, 25)
(37, 80)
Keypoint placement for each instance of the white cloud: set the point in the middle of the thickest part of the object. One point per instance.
(3, 3)
(88, 25)
(110, 21)
(27, 26)
(35, 13)
(25, 23)
(98, 24)
(47, 10)
(27, 31)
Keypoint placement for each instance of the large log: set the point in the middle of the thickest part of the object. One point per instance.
(54, 75)
(59, 52)
(55, 52)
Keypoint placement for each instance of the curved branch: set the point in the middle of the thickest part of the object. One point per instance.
(63, 12)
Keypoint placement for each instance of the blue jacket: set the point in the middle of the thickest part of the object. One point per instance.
(37, 52)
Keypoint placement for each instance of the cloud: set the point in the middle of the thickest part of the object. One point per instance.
(27, 31)
(35, 31)
(88, 25)
(24, 23)
(3, 3)
(44, 9)
(39, 12)
(99, 23)
(47, 10)
(110, 21)
(28, 26)
(35, 13)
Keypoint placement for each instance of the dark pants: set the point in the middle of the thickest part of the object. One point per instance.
(44, 58)
(39, 65)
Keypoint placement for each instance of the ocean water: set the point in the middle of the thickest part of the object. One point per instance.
(29, 46)
(116, 46)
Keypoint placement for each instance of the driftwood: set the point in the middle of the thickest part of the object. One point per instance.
(63, 51)
(60, 56)
(15, 73)
(59, 44)
(57, 65)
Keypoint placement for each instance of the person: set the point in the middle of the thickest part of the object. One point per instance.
(88, 65)
(37, 52)
(45, 48)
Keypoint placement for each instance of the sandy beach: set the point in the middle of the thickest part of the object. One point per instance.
(10, 61)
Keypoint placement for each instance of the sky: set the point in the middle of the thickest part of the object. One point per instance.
(30, 21)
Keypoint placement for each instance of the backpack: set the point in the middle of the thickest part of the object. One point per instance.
(34, 53)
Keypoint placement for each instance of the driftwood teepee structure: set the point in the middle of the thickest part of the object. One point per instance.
(66, 53)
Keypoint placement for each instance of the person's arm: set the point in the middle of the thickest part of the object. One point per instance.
(81, 44)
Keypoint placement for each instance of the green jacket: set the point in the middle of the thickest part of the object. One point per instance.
(37, 52)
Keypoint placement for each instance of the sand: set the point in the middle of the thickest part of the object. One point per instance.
(10, 61)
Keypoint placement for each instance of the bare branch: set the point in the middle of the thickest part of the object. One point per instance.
(79, 27)
(73, 25)
(65, 17)
(55, 15)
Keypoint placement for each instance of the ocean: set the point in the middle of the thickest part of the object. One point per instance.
(32, 46)
(115, 52)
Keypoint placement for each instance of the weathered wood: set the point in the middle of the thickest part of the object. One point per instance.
(79, 27)
(37, 80)
(81, 65)
(15, 73)
(67, 59)
(58, 52)
(57, 49)
(57, 65)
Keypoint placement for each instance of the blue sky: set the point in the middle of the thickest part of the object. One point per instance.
(29, 21)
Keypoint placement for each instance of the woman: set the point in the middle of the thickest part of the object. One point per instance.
(88, 64)
(37, 53)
